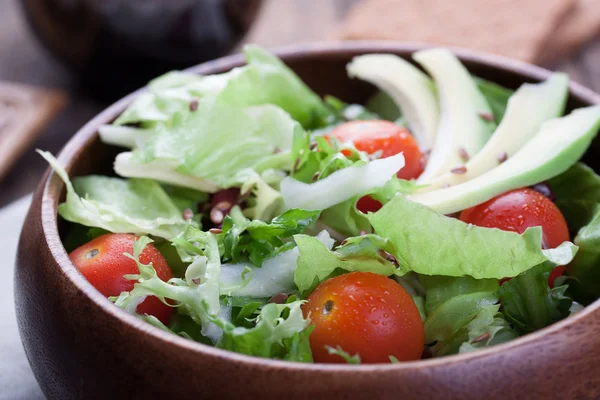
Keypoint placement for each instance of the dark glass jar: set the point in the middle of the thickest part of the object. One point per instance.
(115, 46)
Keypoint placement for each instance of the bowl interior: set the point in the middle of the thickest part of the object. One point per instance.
(322, 67)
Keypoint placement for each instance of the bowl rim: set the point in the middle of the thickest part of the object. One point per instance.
(53, 187)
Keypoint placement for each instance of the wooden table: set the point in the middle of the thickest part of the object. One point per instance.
(282, 21)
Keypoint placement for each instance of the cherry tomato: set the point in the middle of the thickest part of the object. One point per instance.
(103, 264)
(365, 314)
(377, 135)
(385, 136)
(518, 210)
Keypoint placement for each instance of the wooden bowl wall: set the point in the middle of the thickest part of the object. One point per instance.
(81, 346)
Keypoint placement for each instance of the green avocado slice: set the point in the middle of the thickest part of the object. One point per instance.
(463, 126)
(556, 147)
(528, 109)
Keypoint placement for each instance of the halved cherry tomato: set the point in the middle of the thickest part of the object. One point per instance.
(103, 264)
(377, 135)
(365, 314)
(518, 210)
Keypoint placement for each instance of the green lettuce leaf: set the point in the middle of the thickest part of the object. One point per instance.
(529, 304)
(345, 218)
(488, 328)
(439, 289)
(264, 80)
(274, 276)
(432, 244)
(584, 271)
(256, 240)
(445, 324)
(462, 314)
(213, 147)
(577, 192)
(317, 263)
(123, 206)
(338, 351)
(198, 299)
(266, 338)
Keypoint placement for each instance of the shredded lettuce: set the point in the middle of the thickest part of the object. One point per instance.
(488, 328)
(122, 206)
(432, 244)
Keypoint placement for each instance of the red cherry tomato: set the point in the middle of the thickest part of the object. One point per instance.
(385, 136)
(518, 210)
(103, 264)
(365, 314)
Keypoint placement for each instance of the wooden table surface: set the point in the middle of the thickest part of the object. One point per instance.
(22, 59)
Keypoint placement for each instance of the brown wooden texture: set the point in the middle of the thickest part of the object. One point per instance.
(281, 22)
(81, 346)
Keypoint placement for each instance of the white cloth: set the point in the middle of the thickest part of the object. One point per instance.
(16, 378)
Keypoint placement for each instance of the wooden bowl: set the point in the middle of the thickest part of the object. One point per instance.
(81, 346)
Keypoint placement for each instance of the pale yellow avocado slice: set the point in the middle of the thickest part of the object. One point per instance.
(461, 128)
(556, 147)
(527, 110)
(413, 91)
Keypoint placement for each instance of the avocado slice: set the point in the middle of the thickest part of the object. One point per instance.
(556, 147)
(528, 109)
(461, 128)
(412, 91)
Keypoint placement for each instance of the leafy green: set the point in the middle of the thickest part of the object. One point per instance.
(585, 268)
(265, 80)
(460, 311)
(439, 289)
(445, 323)
(266, 338)
(345, 218)
(257, 240)
(383, 105)
(266, 203)
(184, 197)
(297, 347)
(338, 351)
(488, 328)
(577, 192)
(200, 300)
(341, 185)
(214, 146)
(276, 275)
(497, 96)
(116, 205)
(317, 263)
(432, 244)
(529, 304)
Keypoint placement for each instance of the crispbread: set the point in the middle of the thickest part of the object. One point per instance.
(576, 28)
(515, 28)
(24, 111)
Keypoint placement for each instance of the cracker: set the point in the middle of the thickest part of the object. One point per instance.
(24, 111)
(514, 28)
(576, 28)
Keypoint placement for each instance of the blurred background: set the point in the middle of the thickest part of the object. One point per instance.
(62, 61)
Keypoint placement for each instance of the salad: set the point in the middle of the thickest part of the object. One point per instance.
(446, 215)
